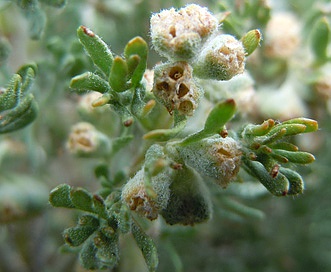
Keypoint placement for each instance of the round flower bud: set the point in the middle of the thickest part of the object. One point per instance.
(215, 157)
(175, 88)
(85, 140)
(135, 196)
(180, 34)
(222, 58)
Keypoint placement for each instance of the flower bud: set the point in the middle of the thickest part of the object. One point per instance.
(135, 196)
(85, 140)
(214, 157)
(222, 58)
(175, 88)
(180, 34)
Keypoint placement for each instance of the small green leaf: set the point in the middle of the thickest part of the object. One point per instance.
(96, 48)
(296, 182)
(108, 249)
(81, 199)
(258, 130)
(251, 40)
(296, 157)
(272, 137)
(87, 256)
(60, 196)
(285, 146)
(136, 66)
(77, 235)
(124, 219)
(219, 116)
(320, 39)
(291, 129)
(10, 96)
(278, 186)
(89, 82)
(89, 220)
(99, 206)
(311, 125)
(119, 75)
(27, 73)
(146, 245)
(20, 116)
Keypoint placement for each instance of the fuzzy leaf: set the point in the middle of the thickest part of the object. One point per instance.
(87, 256)
(99, 206)
(77, 235)
(10, 96)
(136, 66)
(20, 116)
(285, 146)
(215, 122)
(119, 75)
(258, 130)
(82, 199)
(219, 116)
(278, 186)
(251, 40)
(27, 73)
(296, 182)
(311, 125)
(60, 196)
(146, 245)
(89, 82)
(96, 48)
(108, 251)
(296, 156)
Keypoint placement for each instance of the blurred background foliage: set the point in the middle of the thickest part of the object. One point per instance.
(250, 230)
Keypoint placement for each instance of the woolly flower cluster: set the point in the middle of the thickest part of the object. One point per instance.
(180, 34)
(135, 196)
(221, 59)
(215, 157)
(190, 40)
(175, 88)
